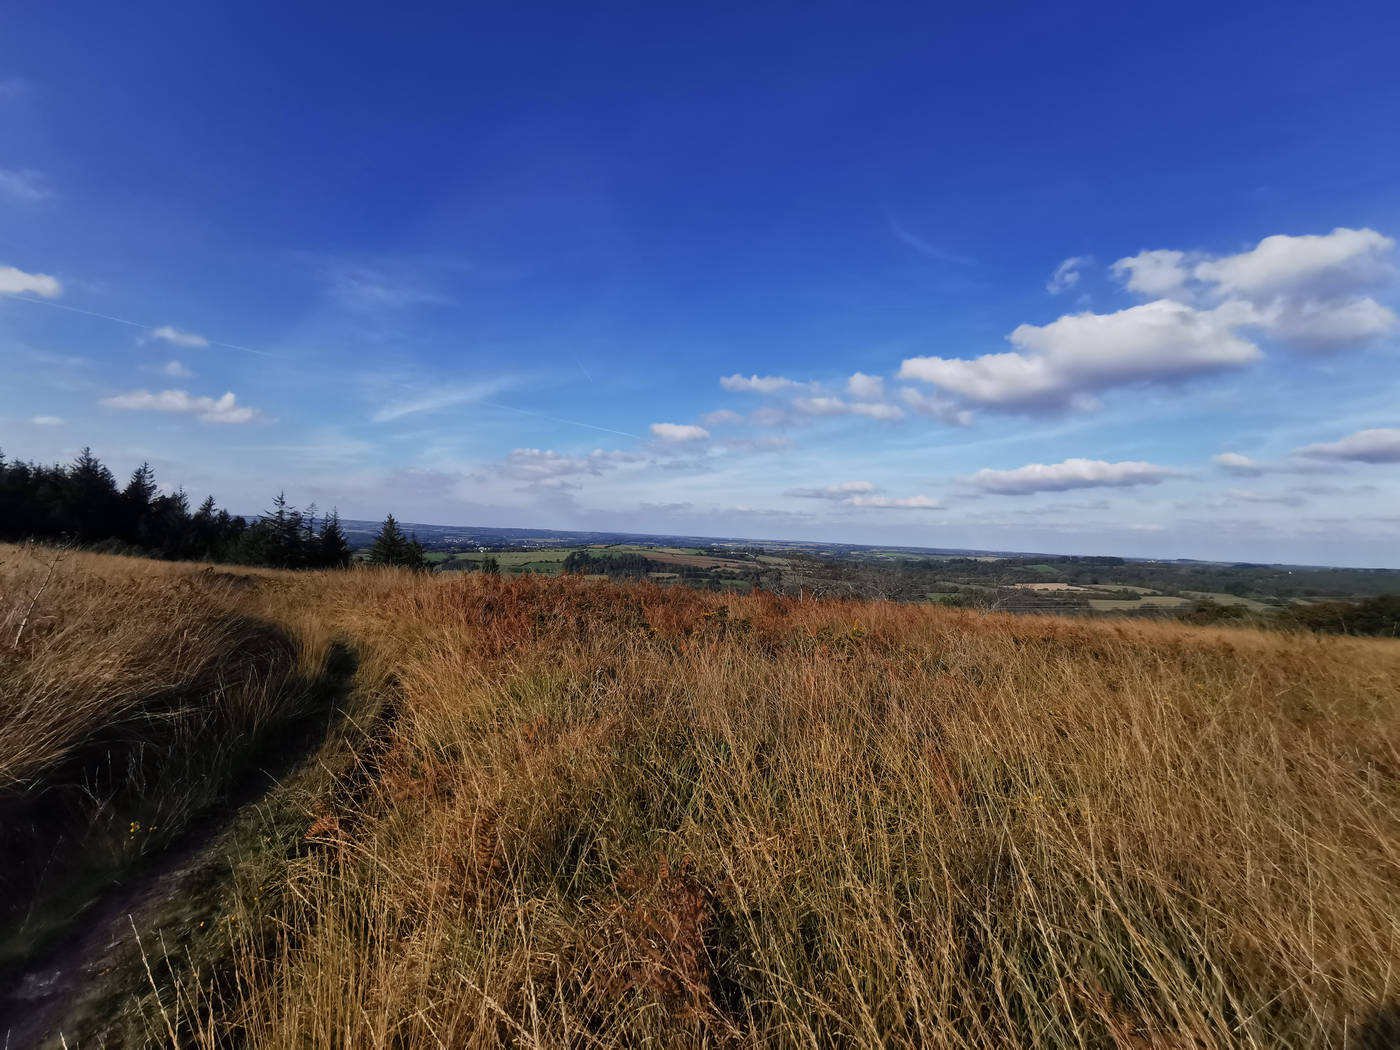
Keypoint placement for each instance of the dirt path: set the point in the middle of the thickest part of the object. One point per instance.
(71, 983)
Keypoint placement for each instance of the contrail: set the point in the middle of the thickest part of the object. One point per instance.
(556, 419)
(133, 324)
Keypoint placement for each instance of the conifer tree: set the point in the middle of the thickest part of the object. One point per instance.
(333, 550)
(390, 547)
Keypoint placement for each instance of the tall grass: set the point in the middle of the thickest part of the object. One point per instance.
(617, 815)
(130, 696)
(620, 815)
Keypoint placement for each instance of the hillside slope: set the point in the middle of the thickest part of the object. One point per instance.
(604, 814)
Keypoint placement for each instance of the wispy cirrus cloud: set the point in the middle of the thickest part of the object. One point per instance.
(24, 185)
(927, 248)
(1066, 275)
(435, 400)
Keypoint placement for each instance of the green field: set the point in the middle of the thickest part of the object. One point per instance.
(1229, 599)
(1150, 602)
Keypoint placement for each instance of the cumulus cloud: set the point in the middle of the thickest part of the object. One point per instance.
(835, 406)
(47, 421)
(14, 281)
(179, 338)
(844, 490)
(1066, 275)
(25, 185)
(721, 417)
(1155, 274)
(1325, 325)
(176, 369)
(208, 409)
(1064, 363)
(1307, 291)
(943, 409)
(679, 432)
(757, 384)
(1312, 266)
(867, 388)
(1365, 446)
(1071, 474)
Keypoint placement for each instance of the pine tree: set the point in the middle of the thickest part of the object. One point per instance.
(390, 547)
(333, 551)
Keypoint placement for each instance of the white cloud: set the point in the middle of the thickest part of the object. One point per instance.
(1312, 266)
(867, 388)
(1071, 474)
(943, 409)
(1365, 446)
(893, 503)
(860, 494)
(179, 338)
(211, 410)
(1063, 363)
(721, 417)
(23, 185)
(1243, 466)
(13, 281)
(541, 465)
(47, 421)
(834, 406)
(1155, 274)
(1305, 291)
(176, 370)
(679, 432)
(757, 384)
(1326, 325)
(843, 491)
(436, 400)
(1066, 275)
(386, 284)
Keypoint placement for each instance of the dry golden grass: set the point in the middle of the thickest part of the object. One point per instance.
(615, 815)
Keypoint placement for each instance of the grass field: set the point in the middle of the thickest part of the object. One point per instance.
(607, 815)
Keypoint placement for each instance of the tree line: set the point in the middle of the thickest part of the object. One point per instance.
(82, 502)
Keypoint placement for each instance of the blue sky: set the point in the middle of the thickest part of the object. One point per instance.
(1080, 278)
